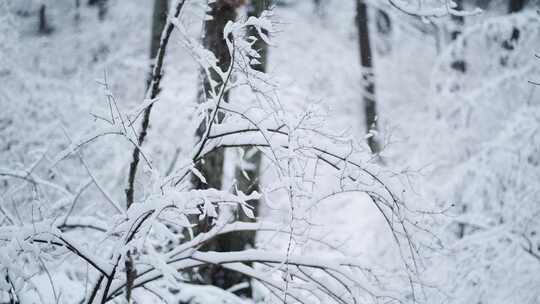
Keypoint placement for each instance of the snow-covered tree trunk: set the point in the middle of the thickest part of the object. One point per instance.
(247, 173)
(211, 167)
(368, 76)
(222, 12)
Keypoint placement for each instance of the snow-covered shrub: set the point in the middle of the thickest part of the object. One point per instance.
(491, 114)
(69, 242)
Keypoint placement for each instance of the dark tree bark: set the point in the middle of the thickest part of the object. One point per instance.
(44, 27)
(159, 19)
(222, 11)
(368, 76)
(242, 240)
(458, 64)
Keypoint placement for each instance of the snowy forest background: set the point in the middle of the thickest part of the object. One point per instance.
(299, 151)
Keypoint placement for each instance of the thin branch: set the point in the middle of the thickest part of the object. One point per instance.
(215, 111)
(100, 188)
(153, 90)
(73, 249)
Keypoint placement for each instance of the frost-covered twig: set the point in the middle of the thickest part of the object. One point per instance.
(153, 91)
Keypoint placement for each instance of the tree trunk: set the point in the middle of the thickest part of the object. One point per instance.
(222, 12)
(159, 19)
(43, 27)
(248, 178)
(211, 167)
(368, 76)
(458, 64)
